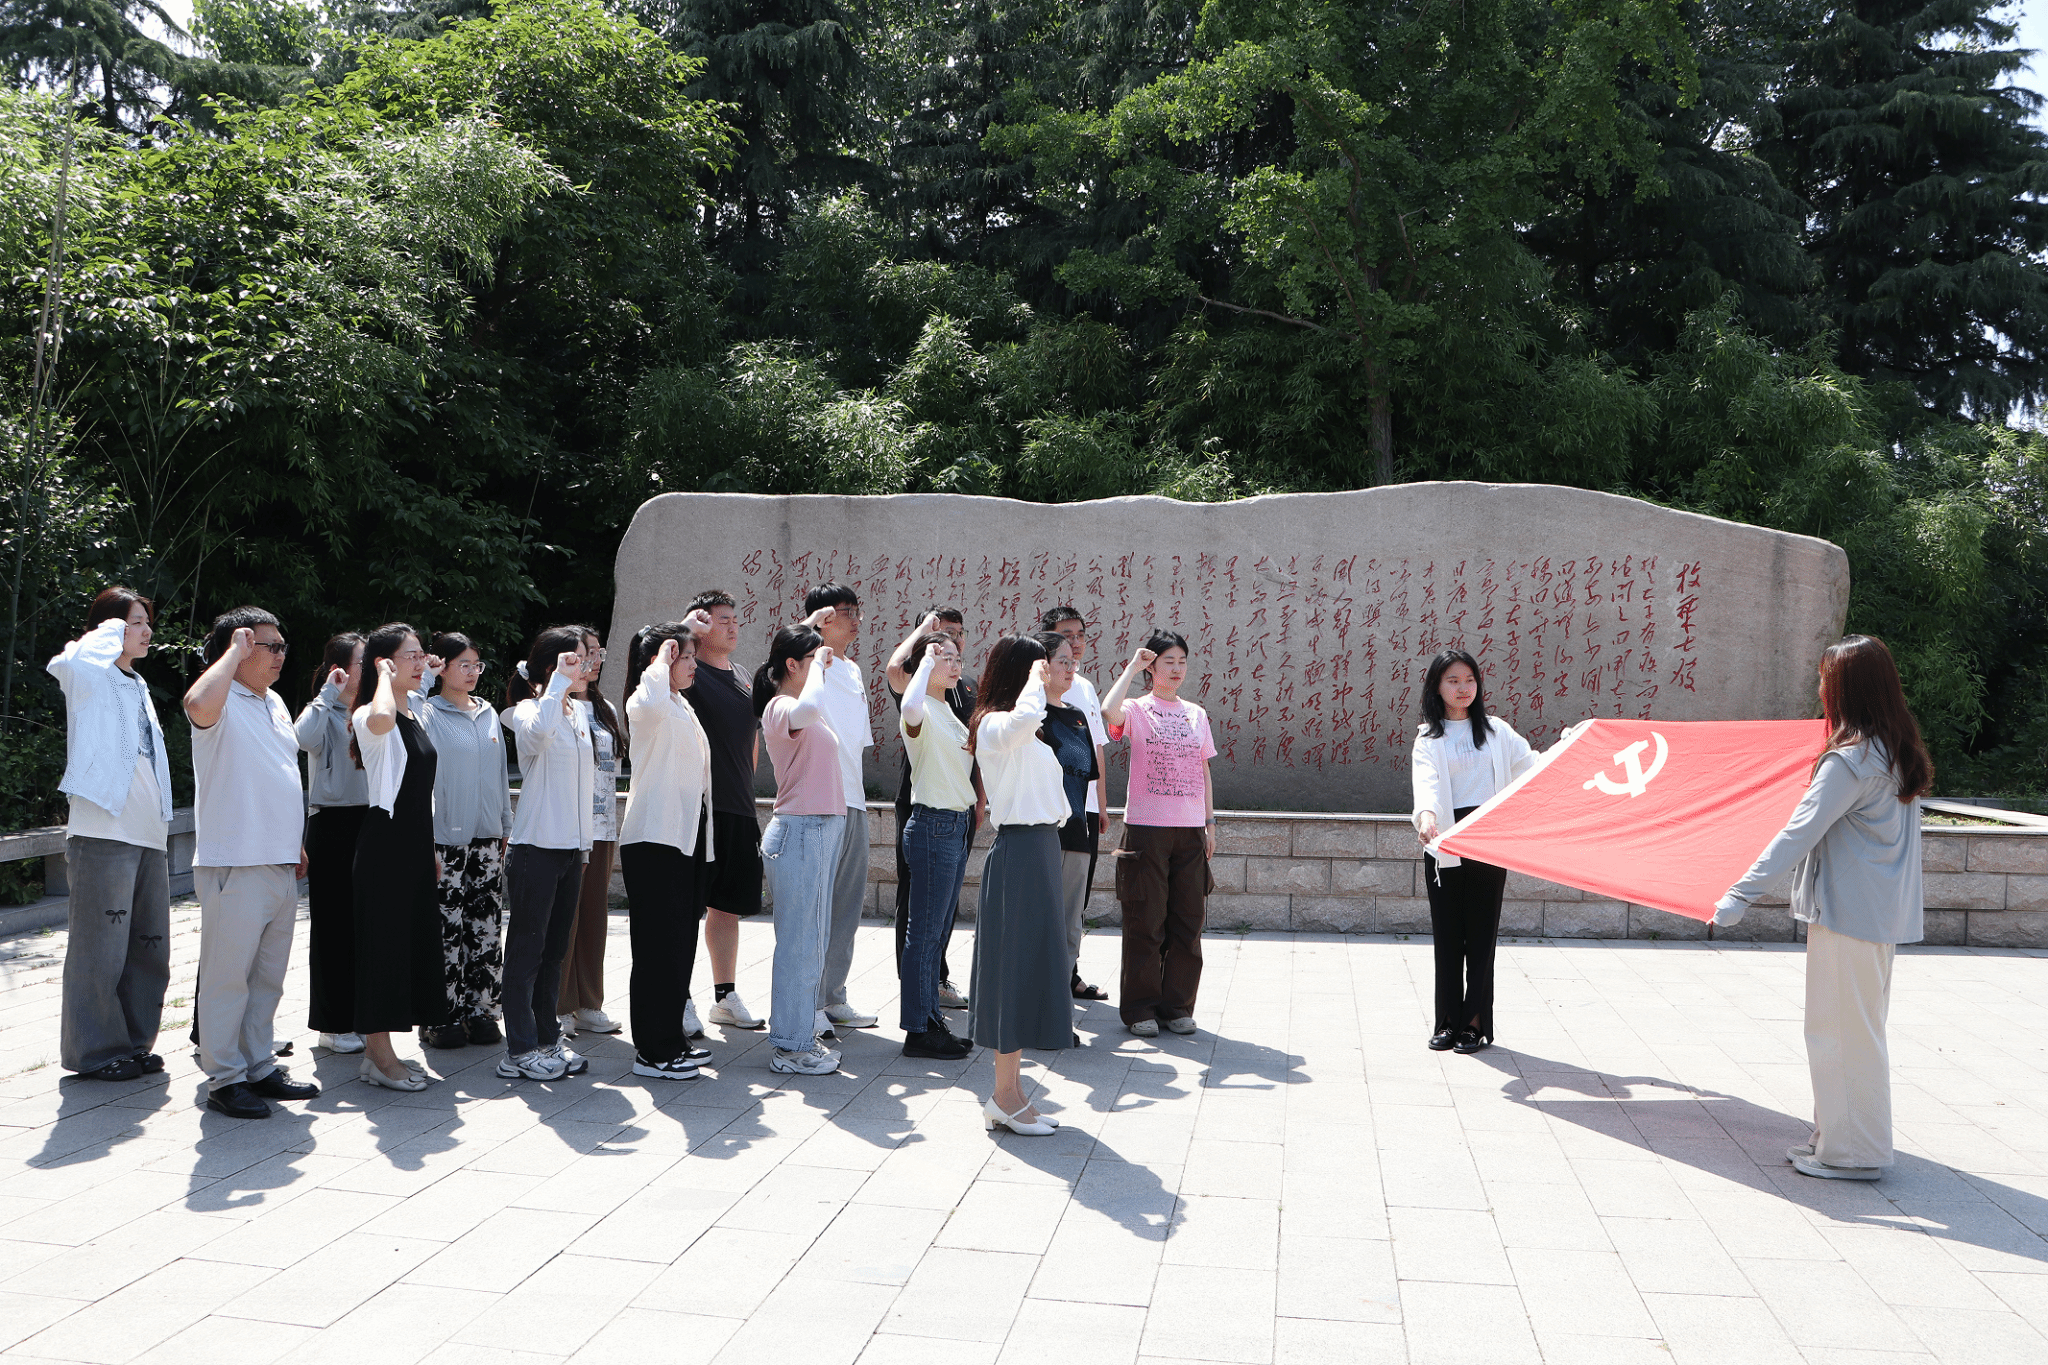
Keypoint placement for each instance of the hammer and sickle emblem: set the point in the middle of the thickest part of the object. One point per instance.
(1631, 760)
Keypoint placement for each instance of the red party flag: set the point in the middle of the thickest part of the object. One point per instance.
(1661, 813)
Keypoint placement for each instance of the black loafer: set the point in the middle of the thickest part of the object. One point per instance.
(1443, 1040)
(120, 1069)
(483, 1031)
(279, 1085)
(237, 1101)
(938, 1045)
(149, 1062)
(1469, 1042)
(447, 1035)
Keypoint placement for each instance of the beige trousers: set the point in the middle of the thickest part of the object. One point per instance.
(1848, 995)
(246, 915)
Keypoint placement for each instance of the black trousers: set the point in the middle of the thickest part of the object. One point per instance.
(903, 887)
(331, 834)
(542, 887)
(1464, 922)
(665, 889)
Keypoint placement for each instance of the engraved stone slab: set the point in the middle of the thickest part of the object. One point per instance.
(1311, 616)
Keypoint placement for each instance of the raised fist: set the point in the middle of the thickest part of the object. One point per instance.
(1144, 658)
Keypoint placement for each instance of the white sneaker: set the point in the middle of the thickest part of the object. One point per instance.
(342, 1042)
(597, 1021)
(675, 1069)
(573, 1062)
(950, 997)
(846, 1016)
(817, 1060)
(567, 1023)
(533, 1066)
(692, 1026)
(732, 1012)
(821, 1024)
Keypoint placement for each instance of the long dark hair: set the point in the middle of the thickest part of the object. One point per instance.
(1861, 697)
(1433, 700)
(640, 653)
(547, 646)
(791, 642)
(1002, 680)
(381, 643)
(599, 707)
(339, 652)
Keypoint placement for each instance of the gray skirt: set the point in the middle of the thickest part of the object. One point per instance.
(1022, 996)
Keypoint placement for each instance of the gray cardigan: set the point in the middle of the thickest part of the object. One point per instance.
(1851, 850)
(333, 777)
(472, 797)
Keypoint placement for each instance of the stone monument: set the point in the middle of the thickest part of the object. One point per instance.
(1311, 616)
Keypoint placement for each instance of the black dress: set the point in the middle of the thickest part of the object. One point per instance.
(398, 922)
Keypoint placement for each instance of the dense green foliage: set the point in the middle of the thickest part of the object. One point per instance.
(377, 310)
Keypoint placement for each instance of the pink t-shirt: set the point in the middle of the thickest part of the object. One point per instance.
(806, 763)
(1169, 743)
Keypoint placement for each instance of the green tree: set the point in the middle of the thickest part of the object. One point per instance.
(1924, 173)
(102, 46)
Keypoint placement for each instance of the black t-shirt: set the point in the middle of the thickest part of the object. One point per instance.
(724, 703)
(960, 697)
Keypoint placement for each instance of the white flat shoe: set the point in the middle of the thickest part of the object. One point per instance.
(1813, 1166)
(342, 1042)
(992, 1117)
(370, 1072)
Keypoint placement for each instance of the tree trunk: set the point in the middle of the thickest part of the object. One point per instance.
(1382, 436)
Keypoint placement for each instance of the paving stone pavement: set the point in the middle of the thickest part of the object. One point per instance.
(1299, 1182)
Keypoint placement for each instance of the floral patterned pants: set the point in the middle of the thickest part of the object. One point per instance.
(471, 894)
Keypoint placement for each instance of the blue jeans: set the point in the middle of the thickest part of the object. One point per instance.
(935, 848)
(801, 852)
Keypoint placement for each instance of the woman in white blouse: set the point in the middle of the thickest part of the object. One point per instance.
(665, 846)
(1020, 996)
(1462, 758)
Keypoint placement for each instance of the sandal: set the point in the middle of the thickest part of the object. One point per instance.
(1083, 991)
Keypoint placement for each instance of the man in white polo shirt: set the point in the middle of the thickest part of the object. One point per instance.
(249, 818)
(833, 610)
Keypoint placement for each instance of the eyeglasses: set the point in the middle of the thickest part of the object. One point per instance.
(412, 656)
(277, 647)
(469, 666)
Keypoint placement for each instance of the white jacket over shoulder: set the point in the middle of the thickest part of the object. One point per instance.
(1430, 772)
(103, 734)
(557, 769)
(671, 798)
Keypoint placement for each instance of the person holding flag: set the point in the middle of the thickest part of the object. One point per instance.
(1461, 758)
(1852, 854)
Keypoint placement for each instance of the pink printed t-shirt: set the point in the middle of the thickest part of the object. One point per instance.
(806, 763)
(1169, 743)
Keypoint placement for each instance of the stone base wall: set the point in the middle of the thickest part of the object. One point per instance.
(1362, 874)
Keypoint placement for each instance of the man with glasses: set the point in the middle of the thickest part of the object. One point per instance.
(249, 816)
(1077, 870)
(833, 610)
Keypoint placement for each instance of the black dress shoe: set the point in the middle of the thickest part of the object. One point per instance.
(237, 1101)
(120, 1069)
(1443, 1040)
(1469, 1041)
(149, 1062)
(279, 1085)
(446, 1035)
(937, 1044)
(483, 1031)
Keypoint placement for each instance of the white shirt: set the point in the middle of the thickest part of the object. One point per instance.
(384, 756)
(250, 810)
(557, 769)
(1081, 696)
(1019, 771)
(1507, 755)
(140, 822)
(109, 722)
(845, 704)
(671, 797)
(1471, 770)
(604, 785)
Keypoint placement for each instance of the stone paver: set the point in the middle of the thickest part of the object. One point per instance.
(1299, 1182)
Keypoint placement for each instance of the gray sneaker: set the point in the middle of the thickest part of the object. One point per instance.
(817, 1060)
(950, 997)
(532, 1066)
(1182, 1025)
(1146, 1028)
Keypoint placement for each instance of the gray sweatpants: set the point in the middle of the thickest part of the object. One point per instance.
(849, 895)
(1074, 894)
(117, 963)
(246, 916)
